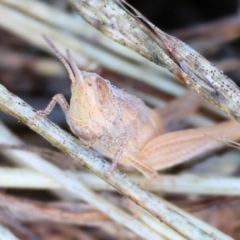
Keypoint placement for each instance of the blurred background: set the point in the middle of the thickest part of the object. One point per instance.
(170, 15)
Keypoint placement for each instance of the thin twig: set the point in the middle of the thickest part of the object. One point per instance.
(133, 30)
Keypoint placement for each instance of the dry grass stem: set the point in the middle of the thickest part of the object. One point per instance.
(108, 53)
(74, 213)
(123, 60)
(137, 33)
(173, 184)
(170, 215)
(74, 188)
(9, 178)
(6, 234)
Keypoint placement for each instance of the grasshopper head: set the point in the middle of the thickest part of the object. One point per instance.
(90, 90)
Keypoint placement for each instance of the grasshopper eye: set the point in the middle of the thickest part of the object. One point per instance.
(102, 90)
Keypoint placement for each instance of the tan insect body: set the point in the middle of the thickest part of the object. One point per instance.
(106, 118)
(112, 121)
(123, 128)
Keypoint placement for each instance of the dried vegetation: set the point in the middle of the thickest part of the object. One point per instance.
(49, 195)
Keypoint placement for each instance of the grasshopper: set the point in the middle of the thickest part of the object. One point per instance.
(123, 128)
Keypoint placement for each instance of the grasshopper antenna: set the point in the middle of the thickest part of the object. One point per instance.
(71, 71)
(74, 67)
